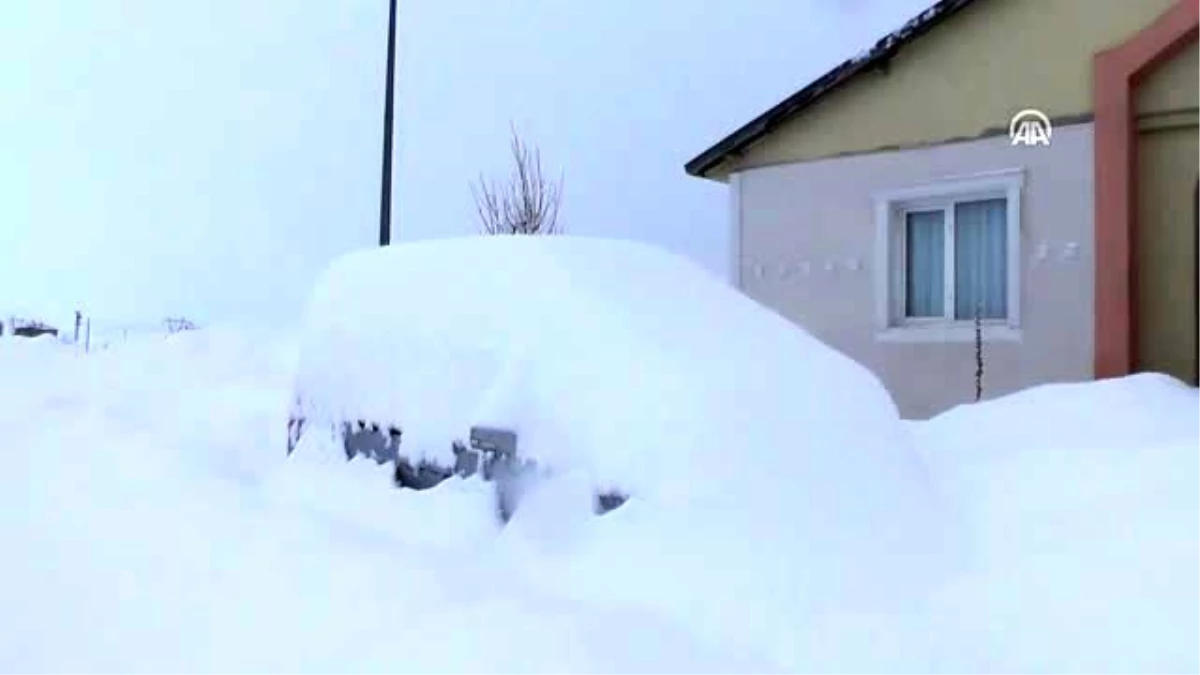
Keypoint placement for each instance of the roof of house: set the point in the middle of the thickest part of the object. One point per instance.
(876, 57)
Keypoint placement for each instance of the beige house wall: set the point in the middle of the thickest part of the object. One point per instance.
(807, 250)
(966, 78)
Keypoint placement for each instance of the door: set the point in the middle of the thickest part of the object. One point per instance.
(1166, 252)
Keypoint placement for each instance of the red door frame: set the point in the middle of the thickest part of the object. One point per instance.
(1196, 272)
(1117, 72)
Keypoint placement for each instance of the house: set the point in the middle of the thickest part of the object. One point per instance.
(1032, 163)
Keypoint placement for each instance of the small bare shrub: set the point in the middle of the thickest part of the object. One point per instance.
(526, 204)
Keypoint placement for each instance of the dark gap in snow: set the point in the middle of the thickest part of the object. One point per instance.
(608, 501)
(492, 454)
(367, 441)
(423, 476)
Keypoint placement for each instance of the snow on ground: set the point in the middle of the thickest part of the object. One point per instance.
(160, 528)
(750, 451)
(1082, 502)
(152, 522)
(1057, 451)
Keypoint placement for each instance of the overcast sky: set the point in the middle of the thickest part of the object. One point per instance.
(208, 158)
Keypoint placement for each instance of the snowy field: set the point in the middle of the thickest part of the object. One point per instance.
(152, 521)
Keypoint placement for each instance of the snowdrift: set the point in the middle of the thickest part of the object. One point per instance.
(150, 525)
(1082, 507)
(630, 368)
(1065, 449)
(154, 524)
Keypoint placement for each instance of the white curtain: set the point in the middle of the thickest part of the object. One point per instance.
(980, 259)
(925, 240)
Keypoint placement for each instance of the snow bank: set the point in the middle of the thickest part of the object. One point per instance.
(31, 371)
(743, 441)
(1064, 448)
(1082, 502)
(604, 355)
(152, 522)
(131, 546)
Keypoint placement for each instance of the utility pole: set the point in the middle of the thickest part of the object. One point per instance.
(385, 192)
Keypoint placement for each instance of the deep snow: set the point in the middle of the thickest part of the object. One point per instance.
(159, 527)
(1082, 509)
(153, 522)
(620, 365)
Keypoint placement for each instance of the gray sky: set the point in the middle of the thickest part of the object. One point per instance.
(209, 158)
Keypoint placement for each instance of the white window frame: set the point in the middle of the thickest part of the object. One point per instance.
(891, 206)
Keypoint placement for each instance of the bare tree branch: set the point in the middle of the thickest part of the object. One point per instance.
(526, 204)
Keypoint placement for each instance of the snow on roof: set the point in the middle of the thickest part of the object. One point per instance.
(618, 360)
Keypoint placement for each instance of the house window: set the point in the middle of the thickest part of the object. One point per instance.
(948, 253)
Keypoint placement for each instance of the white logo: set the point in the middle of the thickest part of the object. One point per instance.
(1030, 127)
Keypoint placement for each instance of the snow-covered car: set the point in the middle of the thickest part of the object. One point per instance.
(632, 369)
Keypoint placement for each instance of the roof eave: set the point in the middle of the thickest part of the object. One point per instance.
(877, 57)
